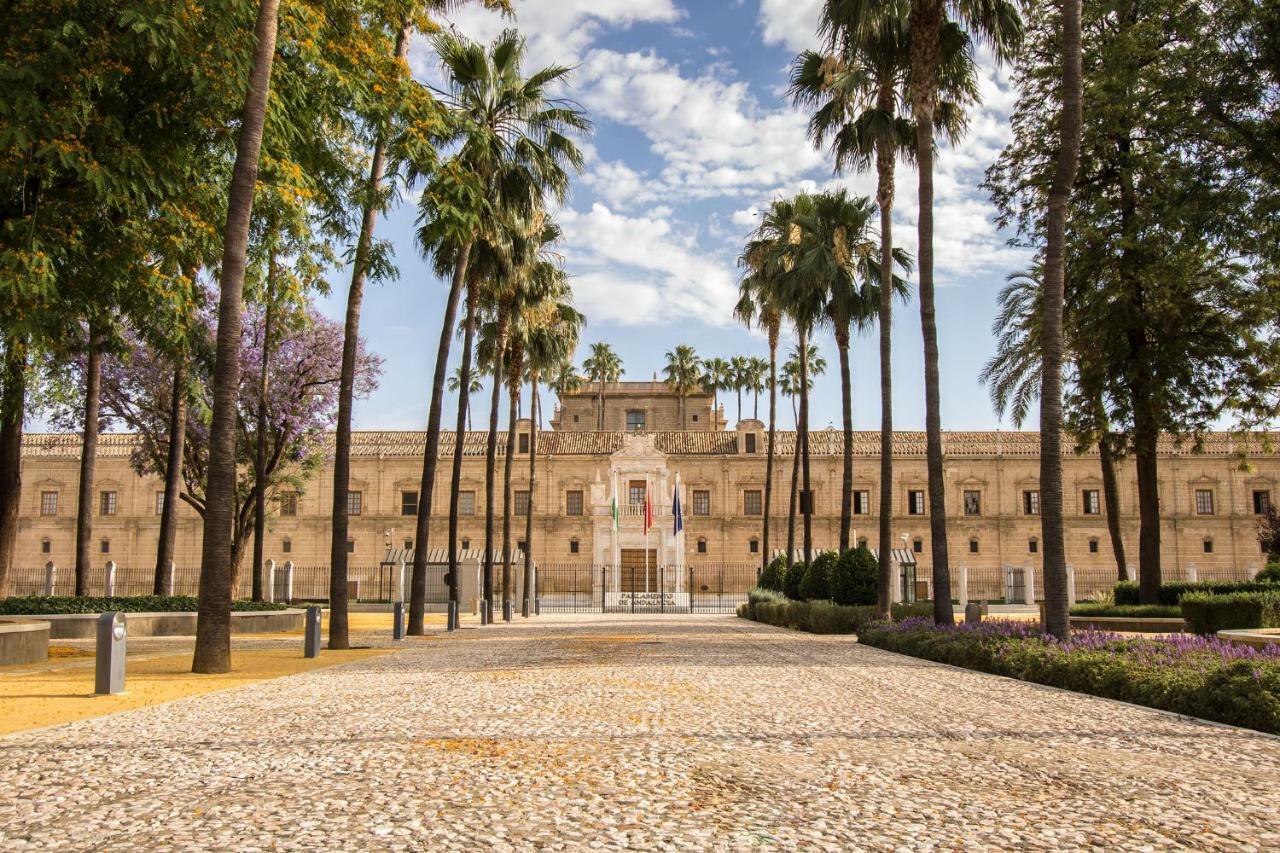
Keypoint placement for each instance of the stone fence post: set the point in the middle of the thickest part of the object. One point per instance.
(1130, 573)
(110, 585)
(1193, 574)
(269, 571)
(1029, 583)
(962, 584)
(171, 579)
(397, 583)
(1071, 585)
(288, 580)
(50, 577)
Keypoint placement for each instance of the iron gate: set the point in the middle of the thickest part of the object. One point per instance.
(635, 589)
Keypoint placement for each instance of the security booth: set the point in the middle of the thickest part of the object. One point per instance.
(908, 587)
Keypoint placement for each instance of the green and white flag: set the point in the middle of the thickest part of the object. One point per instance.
(614, 504)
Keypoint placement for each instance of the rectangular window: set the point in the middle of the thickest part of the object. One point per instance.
(973, 546)
(1031, 502)
(48, 503)
(635, 421)
(408, 544)
(702, 546)
(915, 502)
(1091, 502)
(522, 503)
(466, 503)
(1208, 546)
(107, 504)
(752, 502)
(635, 492)
(1261, 501)
(573, 546)
(573, 503)
(1093, 546)
(351, 546)
(159, 503)
(806, 502)
(106, 546)
(862, 503)
(466, 544)
(750, 442)
(918, 546)
(288, 503)
(972, 502)
(287, 546)
(1033, 546)
(701, 502)
(355, 501)
(46, 546)
(1204, 501)
(754, 546)
(522, 440)
(409, 503)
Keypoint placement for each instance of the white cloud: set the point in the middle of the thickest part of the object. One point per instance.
(641, 270)
(790, 23)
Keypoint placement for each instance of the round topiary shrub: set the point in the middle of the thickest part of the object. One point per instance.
(1271, 573)
(793, 581)
(774, 575)
(816, 585)
(856, 577)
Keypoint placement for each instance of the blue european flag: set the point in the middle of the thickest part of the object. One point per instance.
(677, 517)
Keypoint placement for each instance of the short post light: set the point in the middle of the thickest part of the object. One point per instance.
(311, 642)
(108, 677)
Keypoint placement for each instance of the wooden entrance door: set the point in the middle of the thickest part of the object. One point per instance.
(632, 570)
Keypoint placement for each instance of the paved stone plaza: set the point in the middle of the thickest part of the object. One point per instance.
(641, 733)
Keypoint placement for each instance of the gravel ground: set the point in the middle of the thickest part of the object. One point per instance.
(640, 733)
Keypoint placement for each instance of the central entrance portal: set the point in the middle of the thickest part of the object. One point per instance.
(634, 577)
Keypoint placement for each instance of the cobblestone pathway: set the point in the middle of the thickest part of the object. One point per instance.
(638, 733)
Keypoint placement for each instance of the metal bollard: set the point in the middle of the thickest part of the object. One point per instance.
(486, 609)
(311, 644)
(111, 579)
(537, 606)
(451, 620)
(108, 675)
(50, 577)
(972, 613)
(397, 621)
(507, 613)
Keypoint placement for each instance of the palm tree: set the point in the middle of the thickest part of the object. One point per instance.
(758, 303)
(213, 622)
(756, 376)
(513, 148)
(716, 377)
(683, 372)
(567, 381)
(739, 368)
(475, 387)
(602, 366)
(791, 385)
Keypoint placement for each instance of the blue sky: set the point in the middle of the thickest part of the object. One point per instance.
(693, 136)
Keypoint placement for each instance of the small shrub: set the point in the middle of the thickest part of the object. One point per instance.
(1136, 611)
(1206, 613)
(774, 575)
(1271, 574)
(1126, 592)
(855, 580)
(1103, 596)
(817, 580)
(793, 581)
(47, 605)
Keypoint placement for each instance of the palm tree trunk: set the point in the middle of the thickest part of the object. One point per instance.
(455, 483)
(172, 476)
(739, 389)
(795, 488)
(884, 195)
(260, 438)
(339, 632)
(926, 22)
(846, 411)
(512, 417)
(1056, 618)
(13, 396)
(88, 459)
(769, 452)
(1111, 494)
(806, 505)
(422, 533)
(527, 598)
(491, 457)
(213, 625)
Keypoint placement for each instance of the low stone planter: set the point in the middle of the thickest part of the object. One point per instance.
(1257, 637)
(23, 640)
(83, 626)
(1131, 624)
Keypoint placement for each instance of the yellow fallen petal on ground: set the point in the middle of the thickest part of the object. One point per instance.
(31, 700)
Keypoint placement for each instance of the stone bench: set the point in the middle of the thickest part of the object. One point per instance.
(23, 640)
(83, 626)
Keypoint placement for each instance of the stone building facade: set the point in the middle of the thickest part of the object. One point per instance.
(1210, 500)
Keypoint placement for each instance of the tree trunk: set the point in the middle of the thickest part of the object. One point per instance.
(885, 156)
(260, 436)
(1057, 606)
(172, 476)
(422, 534)
(339, 632)
(926, 22)
(1111, 494)
(513, 388)
(795, 489)
(846, 411)
(13, 396)
(806, 505)
(213, 626)
(491, 456)
(1146, 436)
(739, 390)
(769, 451)
(459, 441)
(527, 598)
(88, 459)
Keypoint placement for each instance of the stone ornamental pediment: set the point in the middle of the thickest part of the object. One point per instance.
(639, 446)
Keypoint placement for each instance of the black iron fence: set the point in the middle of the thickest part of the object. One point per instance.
(584, 588)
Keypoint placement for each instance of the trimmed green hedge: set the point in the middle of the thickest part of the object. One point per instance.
(1126, 592)
(774, 574)
(1199, 676)
(48, 605)
(793, 581)
(1208, 614)
(856, 579)
(1137, 611)
(816, 617)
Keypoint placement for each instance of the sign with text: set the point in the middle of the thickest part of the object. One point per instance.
(647, 600)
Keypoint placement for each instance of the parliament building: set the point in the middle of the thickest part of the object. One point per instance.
(1211, 501)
